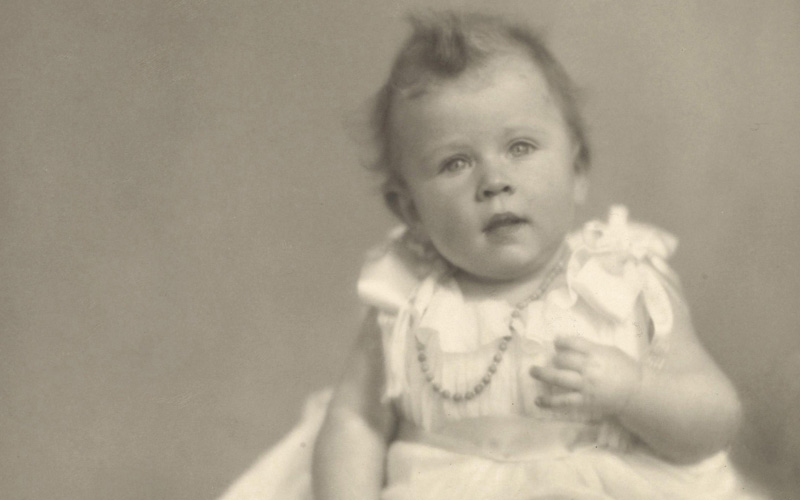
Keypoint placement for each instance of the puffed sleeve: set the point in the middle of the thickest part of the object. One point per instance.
(615, 264)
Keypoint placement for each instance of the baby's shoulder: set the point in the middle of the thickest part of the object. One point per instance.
(394, 269)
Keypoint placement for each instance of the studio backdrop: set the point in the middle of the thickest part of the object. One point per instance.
(183, 215)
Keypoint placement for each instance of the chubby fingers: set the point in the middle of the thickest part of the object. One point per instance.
(564, 378)
(561, 401)
(575, 344)
(570, 360)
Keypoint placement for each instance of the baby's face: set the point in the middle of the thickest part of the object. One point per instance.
(488, 163)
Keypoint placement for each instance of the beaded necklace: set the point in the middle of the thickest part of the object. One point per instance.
(502, 346)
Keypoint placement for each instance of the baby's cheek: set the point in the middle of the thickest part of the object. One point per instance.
(453, 242)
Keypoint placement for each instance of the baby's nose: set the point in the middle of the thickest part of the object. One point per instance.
(494, 185)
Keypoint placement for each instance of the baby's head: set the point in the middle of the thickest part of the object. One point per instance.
(446, 46)
(481, 144)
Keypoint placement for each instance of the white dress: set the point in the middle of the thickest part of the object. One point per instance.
(613, 284)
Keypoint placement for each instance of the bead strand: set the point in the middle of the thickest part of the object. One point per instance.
(422, 357)
(502, 346)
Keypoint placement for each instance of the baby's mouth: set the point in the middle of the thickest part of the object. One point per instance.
(504, 220)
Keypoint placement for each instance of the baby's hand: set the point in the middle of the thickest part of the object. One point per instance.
(594, 377)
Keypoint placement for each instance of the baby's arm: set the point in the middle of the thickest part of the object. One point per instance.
(686, 410)
(351, 447)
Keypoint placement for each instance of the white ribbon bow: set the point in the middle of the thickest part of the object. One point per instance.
(617, 263)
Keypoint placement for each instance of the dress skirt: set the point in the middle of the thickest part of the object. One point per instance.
(420, 471)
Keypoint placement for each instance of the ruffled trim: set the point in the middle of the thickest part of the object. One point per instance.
(615, 264)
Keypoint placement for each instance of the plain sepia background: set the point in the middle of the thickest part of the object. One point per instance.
(183, 215)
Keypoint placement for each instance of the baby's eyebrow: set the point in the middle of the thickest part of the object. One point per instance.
(512, 130)
(445, 147)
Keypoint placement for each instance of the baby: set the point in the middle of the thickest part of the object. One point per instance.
(506, 355)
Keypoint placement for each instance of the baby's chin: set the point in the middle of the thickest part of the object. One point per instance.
(502, 273)
(511, 266)
(521, 260)
(512, 284)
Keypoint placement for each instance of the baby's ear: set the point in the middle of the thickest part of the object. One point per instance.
(402, 205)
(392, 199)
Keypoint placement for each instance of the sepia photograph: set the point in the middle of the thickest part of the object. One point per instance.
(400, 250)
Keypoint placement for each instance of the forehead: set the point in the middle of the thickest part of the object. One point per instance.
(497, 67)
(509, 87)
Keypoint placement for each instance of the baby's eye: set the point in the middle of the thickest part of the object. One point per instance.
(455, 164)
(521, 148)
